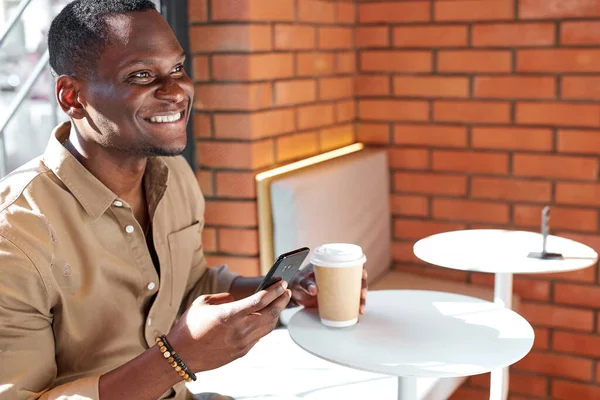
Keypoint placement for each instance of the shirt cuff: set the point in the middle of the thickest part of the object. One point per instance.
(225, 278)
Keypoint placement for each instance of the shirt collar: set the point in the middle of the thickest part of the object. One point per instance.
(92, 194)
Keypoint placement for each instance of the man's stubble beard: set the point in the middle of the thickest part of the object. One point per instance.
(159, 152)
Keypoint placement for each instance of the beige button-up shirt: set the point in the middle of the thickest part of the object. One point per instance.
(77, 278)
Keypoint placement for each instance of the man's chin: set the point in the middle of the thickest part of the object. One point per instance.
(155, 151)
(164, 152)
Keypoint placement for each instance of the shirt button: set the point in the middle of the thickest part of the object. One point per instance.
(118, 203)
(151, 286)
(129, 229)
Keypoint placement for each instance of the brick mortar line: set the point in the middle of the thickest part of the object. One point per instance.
(296, 12)
(275, 136)
(208, 14)
(539, 302)
(390, 38)
(483, 100)
(250, 23)
(266, 110)
(520, 74)
(431, 111)
(209, 61)
(471, 85)
(445, 196)
(213, 180)
(459, 196)
(439, 99)
(211, 118)
(557, 34)
(497, 125)
(555, 147)
(275, 80)
(474, 49)
(283, 107)
(573, 332)
(358, 23)
(432, 11)
(563, 305)
(263, 52)
(513, 111)
(551, 351)
(483, 150)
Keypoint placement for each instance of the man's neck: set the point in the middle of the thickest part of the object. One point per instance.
(122, 174)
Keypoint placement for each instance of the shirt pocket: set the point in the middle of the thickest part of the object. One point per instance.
(67, 276)
(183, 245)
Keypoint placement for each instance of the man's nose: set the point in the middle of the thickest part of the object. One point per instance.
(171, 91)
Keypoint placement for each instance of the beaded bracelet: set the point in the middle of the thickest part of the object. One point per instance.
(174, 360)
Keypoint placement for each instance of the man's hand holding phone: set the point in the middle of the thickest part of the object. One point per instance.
(216, 330)
(302, 282)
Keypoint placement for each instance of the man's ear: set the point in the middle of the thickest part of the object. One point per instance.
(67, 93)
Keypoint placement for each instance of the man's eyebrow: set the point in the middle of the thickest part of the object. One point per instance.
(148, 61)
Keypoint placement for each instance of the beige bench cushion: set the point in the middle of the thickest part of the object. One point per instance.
(342, 200)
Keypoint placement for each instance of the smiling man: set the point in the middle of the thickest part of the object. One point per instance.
(105, 292)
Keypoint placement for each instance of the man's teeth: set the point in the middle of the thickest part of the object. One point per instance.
(166, 118)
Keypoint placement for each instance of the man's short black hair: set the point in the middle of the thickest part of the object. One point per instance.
(78, 34)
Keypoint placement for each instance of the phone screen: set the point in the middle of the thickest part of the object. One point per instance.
(285, 268)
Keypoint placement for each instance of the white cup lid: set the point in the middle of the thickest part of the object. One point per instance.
(338, 255)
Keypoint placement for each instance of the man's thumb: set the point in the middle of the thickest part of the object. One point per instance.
(219, 298)
(214, 299)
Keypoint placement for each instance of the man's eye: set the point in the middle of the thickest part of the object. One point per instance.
(142, 75)
(178, 69)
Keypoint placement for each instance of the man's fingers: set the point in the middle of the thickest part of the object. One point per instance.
(276, 307)
(363, 292)
(271, 312)
(307, 283)
(304, 299)
(363, 301)
(263, 321)
(214, 299)
(259, 300)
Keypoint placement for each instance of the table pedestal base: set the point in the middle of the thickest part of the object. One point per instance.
(503, 288)
(407, 388)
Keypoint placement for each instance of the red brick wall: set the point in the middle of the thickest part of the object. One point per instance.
(490, 110)
(274, 83)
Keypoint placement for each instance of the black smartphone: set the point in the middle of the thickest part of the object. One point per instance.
(286, 267)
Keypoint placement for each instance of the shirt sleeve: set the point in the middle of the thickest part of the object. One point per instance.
(202, 279)
(206, 280)
(28, 368)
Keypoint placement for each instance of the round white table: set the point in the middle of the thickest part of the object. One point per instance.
(419, 333)
(503, 253)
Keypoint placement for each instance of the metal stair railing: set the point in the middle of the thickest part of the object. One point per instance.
(24, 90)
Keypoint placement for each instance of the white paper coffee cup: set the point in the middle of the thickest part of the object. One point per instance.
(338, 271)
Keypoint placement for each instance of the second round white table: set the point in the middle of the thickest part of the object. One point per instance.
(419, 333)
(503, 253)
